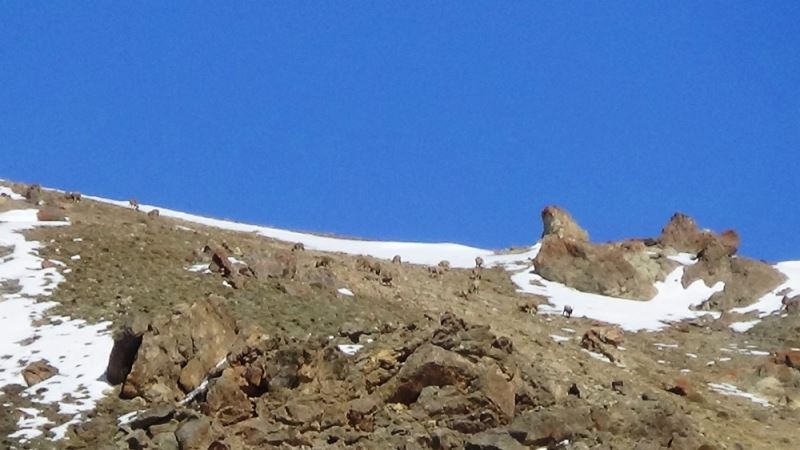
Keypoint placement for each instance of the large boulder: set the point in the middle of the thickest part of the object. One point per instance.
(177, 352)
(624, 270)
(430, 365)
(559, 222)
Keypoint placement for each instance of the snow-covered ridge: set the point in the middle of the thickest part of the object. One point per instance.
(672, 303)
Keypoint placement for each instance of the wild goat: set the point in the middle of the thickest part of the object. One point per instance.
(479, 262)
(567, 311)
(134, 204)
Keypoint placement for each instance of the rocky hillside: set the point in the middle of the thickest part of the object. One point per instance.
(131, 327)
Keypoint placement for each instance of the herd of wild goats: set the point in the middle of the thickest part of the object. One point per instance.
(33, 193)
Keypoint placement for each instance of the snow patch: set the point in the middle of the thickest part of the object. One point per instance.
(350, 349)
(741, 327)
(686, 259)
(345, 291)
(13, 195)
(731, 390)
(200, 268)
(78, 350)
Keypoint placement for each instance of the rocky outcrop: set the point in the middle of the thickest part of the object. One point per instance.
(558, 222)
(624, 270)
(469, 382)
(684, 235)
(630, 269)
(746, 280)
(174, 354)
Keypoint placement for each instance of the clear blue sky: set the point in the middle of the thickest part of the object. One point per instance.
(435, 121)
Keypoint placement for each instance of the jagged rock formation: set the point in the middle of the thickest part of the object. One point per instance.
(629, 269)
(624, 269)
(745, 279)
(174, 353)
(449, 386)
(684, 235)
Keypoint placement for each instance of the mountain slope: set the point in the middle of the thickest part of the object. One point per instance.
(138, 267)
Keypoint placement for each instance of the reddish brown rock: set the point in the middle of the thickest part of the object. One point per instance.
(51, 215)
(684, 235)
(791, 358)
(38, 371)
